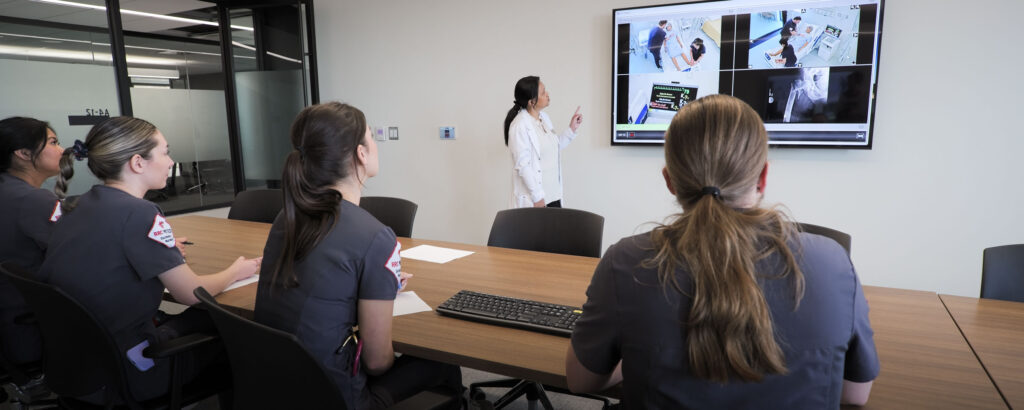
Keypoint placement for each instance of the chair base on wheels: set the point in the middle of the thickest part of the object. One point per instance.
(534, 391)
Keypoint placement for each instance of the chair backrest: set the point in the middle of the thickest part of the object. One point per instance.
(1002, 273)
(397, 213)
(79, 355)
(271, 369)
(555, 230)
(257, 205)
(844, 239)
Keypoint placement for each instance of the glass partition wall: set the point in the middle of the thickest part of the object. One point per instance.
(57, 65)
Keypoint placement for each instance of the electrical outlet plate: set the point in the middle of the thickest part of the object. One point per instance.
(447, 133)
(392, 133)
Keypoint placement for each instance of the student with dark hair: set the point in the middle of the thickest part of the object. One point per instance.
(332, 271)
(115, 254)
(725, 306)
(697, 51)
(787, 55)
(29, 154)
(536, 150)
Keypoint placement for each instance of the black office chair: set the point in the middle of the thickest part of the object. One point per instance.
(80, 357)
(1002, 273)
(397, 213)
(272, 370)
(257, 205)
(555, 230)
(844, 239)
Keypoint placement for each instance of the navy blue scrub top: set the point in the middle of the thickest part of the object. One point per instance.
(106, 253)
(628, 316)
(27, 217)
(358, 259)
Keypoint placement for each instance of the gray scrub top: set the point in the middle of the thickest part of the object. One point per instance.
(358, 259)
(107, 253)
(27, 216)
(629, 316)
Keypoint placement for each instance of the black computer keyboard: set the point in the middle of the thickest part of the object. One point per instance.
(512, 312)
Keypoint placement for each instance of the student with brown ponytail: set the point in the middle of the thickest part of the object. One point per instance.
(332, 270)
(115, 253)
(726, 305)
(29, 154)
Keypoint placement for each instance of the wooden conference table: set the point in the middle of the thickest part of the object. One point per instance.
(925, 361)
(995, 330)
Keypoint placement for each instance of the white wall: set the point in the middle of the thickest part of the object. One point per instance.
(940, 185)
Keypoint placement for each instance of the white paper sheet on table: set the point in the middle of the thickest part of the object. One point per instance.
(434, 254)
(408, 302)
(243, 282)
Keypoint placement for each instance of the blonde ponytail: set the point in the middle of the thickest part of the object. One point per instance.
(715, 150)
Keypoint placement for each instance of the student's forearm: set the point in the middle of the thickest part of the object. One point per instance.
(855, 393)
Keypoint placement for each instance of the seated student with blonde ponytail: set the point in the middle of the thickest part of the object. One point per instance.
(115, 253)
(331, 266)
(29, 154)
(726, 306)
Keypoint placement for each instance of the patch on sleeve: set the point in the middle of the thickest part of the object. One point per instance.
(161, 231)
(56, 214)
(394, 263)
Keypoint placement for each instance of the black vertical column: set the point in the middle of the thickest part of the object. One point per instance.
(314, 80)
(124, 95)
(228, 65)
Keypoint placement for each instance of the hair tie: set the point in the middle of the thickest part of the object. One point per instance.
(711, 190)
(79, 150)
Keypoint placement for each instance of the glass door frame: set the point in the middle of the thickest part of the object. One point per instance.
(224, 8)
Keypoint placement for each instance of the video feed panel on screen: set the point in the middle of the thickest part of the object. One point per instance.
(809, 68)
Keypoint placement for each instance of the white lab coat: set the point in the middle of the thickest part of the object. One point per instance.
(524, 144)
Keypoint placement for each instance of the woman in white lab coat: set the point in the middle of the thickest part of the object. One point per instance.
(535, 148)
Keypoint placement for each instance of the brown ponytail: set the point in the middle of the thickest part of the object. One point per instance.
(108, 146)
(325, 138)
(715, 150)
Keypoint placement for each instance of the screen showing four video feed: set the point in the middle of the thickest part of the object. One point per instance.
(809, 68)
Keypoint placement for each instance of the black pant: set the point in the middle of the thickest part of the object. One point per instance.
(411, 375)
(555, 204)
(657, 55)
(208, 362)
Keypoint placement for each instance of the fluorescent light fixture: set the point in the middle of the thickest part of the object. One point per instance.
(91, 56)
(140, 13)
(162, 73)
(151, 81)
(162, 87)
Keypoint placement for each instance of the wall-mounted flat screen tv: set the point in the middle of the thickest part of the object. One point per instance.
(808, 67)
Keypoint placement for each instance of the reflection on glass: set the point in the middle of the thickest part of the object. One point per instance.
(270, 87)
(57, 73)
(186, 102)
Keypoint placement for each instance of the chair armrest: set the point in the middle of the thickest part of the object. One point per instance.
(28, 318)
(178, 345)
